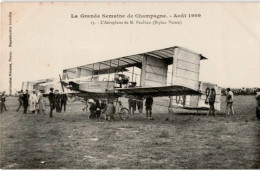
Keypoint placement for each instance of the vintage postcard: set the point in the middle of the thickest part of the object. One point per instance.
(130, 85)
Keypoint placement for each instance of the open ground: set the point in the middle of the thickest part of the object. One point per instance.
(72, 141)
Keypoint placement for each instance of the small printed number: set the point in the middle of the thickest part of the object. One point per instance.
(194, 15)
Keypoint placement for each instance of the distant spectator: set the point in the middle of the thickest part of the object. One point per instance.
(41, 102)
(1, 107)
(212, 98)
(3, 102)
(129, 104)
(64, 99)
(230, 100)
(52, 101)
(37, 105)
(58, 101)
(33, 101)
(258, 105)
(140, 105)
(20, 99)
(148, 106)
(25, 101)
(132, 105)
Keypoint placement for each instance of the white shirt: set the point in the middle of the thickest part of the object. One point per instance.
(230, 93)
(33, 98)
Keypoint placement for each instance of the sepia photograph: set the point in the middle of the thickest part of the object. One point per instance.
(130, 85)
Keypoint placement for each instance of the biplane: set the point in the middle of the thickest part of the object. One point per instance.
(172, 72)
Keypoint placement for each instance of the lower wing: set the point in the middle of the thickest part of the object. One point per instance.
(173, 90)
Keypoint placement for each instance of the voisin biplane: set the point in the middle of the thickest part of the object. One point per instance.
(172, 72)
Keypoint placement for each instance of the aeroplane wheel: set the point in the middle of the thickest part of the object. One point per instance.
(124, 114)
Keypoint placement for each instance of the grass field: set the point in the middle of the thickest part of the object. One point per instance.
(72, 141)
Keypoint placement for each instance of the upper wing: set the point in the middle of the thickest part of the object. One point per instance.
(173, 90)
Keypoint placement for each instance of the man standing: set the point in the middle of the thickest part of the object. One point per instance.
(52, 101)
(132, 105)
(1, 107)
(58, 101)
(41, 102)
(2, 101)
(33, 101)
(258, 105)
(20, 99)
(229, 100)
(212, 98)
(25, 101)
(64, 99)
(140, 105)
(149, 105)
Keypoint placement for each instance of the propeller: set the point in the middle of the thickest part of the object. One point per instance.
(61, 84)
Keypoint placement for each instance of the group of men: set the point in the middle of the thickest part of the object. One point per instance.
(139, 103)
(35, 100)
(229, 101)
(37, 103)
(96, 108)
(108, 109)
(57, 101)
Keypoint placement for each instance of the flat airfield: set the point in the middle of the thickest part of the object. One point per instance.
(187, 141)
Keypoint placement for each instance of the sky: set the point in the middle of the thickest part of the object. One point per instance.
(46, 39)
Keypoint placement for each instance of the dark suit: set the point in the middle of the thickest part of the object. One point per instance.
(52, 102)
(58, 102)
(2, 102)
(25, 99)
(64, 99)
(149, 105)
(20, 100)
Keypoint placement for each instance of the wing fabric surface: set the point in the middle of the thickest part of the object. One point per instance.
(173, 90)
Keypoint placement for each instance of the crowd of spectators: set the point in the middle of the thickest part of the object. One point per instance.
(242, 91)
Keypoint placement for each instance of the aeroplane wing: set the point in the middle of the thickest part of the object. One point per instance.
(173, 90)
(95, 95)
(91, 95)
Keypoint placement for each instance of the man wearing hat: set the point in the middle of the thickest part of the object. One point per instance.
(52, 101)
(20, 99)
